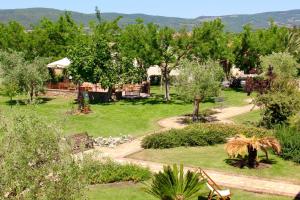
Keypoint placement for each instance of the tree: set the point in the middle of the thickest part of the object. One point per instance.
(210, 41)
(35, 162)
(135, 47)
(91, 62)
(92, 59)
(197, 82)
(8, 64)
(168, 49)
(23, 76)
(256, 43)
(241, 146)
(53, 38)
(10, 88)
(13, 36)
(174, 184)
(284, 64)
(165, 56)
(35, 75)
(247, 55)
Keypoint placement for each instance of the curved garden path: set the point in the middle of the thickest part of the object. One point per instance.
(248, 183)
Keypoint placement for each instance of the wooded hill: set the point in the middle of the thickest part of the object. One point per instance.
(232, 22)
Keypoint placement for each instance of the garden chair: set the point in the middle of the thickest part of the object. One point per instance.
(214, 189)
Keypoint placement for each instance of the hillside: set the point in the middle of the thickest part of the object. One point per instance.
(233, 22)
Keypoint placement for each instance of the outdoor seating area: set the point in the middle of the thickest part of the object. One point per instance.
(133, 91)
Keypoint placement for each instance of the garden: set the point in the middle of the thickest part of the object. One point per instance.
(241, 125)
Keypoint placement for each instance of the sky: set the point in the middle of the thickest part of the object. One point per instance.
(173, 8)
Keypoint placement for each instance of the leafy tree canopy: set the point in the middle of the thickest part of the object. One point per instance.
(283, 64)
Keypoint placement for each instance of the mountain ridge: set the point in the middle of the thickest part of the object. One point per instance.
(234, 22)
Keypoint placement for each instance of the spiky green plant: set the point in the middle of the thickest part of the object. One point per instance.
(174, 184)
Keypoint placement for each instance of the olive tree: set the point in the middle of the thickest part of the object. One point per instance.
(22, 76)
(284, 64)
(198, 82)
(35, 163)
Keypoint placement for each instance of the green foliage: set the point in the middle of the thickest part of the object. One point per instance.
(12, 36)
(246, 54)
(10, 88)
(289, 139)
(34, 162)
(21, 76)
(201, 81)
(284, 64)
(210, 41)
(92, 62)
(294, 121)
(200, 135)
(135, 45)
(280, 102)
(107, 171)
(292, 43)
(174, 184)
(256, 43)
(53, 38)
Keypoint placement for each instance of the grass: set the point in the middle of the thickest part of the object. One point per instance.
(214, 157)
(134, 117)
(248, 118)
(130, 191)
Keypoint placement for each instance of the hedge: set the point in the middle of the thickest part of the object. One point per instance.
(200, 135)
(100, 172)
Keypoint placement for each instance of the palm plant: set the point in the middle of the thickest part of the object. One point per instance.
(241, 146)
(292, 43)
(174, 184)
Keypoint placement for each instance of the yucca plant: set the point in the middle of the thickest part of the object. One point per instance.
(174, 184)
(242, 146)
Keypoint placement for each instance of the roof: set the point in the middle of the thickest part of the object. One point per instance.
(60, 64)
(156, 71)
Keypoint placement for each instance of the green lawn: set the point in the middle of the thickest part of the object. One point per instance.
(248, 118)
(214, 157)
(129, 191)
(135, 117)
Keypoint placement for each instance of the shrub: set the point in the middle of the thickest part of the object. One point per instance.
(280, 103)
(289, 139)
(34, 162)
(174, 184)
(107, 171)
(200, 135)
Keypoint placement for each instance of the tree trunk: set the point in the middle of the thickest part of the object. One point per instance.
(226, 67)
(196, 109)
(167, 84)
(79, 98)
(109, 94)
(31, 94)
(11, 101)
(252, 155)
